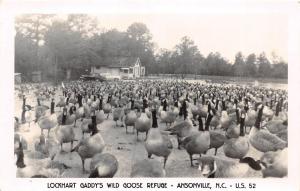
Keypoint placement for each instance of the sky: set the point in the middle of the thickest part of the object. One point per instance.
(224, 26)
(224, 33)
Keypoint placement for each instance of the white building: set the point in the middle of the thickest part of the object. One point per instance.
(122, 68)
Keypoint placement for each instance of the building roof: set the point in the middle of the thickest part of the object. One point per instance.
(123, 62)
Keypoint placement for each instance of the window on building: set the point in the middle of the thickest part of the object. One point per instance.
(130, 70)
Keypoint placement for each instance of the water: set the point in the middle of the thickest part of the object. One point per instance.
(255, 83)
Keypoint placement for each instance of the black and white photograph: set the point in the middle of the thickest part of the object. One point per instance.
(97, 98)
(198, 93)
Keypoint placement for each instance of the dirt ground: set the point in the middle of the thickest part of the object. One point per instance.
(123, 146)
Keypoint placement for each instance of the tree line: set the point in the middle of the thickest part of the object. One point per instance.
(77, 42)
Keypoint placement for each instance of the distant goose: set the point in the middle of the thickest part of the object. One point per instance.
(168, 117)
(130, 119)
(100, 117)
(118, 113)
(66, 119)
(142, 124)
(40, 110)
(103, 165)
(85, 126)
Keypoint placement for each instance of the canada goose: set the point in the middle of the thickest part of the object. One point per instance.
(61, 103)
(66, 119)
(65, 134)
(274, 163)
(48, 148)
(118, 113)
(130, 119)
(214, 167)
(276, 126)
(147, 168)
(25, 107)
(181, 129)
(107, 109)
(100, 117)
(233, 130)
(168, 117)
(227, 119)
(263, 140)
(89, 146)
(237, 147)
(217, 139)
(199, 142)
(79, 114)
(85, 126)
(26, 116)
(250, 119)
(267, 113)
(47, 122)
(87, 110)
(142, 124)
(103, 165)
(158, 144)
(40, 110)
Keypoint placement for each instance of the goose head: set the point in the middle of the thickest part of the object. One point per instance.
(207, 166)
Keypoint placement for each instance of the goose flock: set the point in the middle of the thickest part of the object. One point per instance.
(150, 128)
